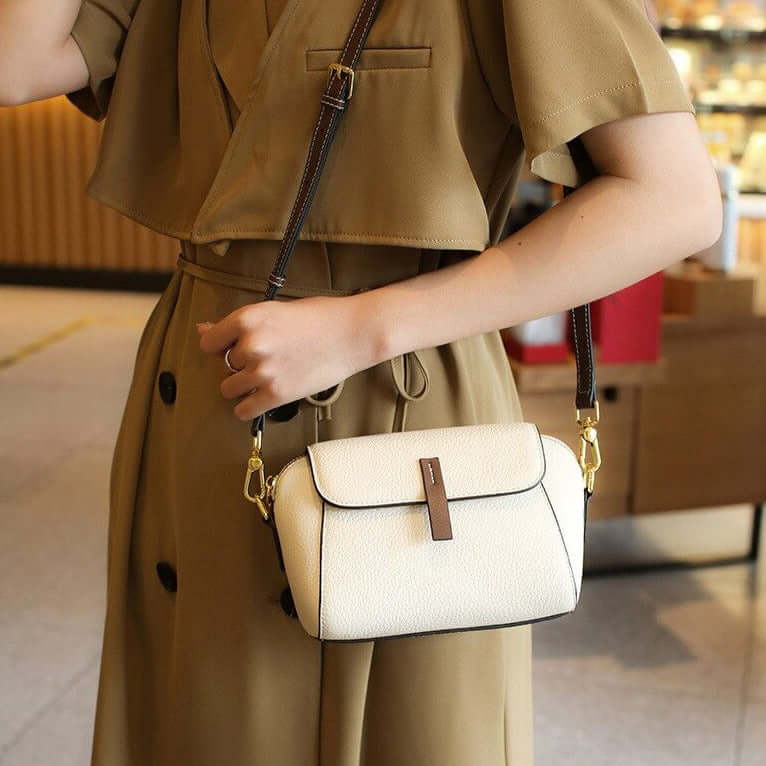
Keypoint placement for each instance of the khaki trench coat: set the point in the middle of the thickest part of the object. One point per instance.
(210, 105)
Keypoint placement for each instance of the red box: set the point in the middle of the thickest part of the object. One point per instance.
(542, 354)
(626, 324)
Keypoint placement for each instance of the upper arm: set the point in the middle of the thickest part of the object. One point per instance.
(573, 66)
(62, 69)
(592, 89)
(659, 147)
(38, 57)
(55, 49)
(665, 153)
(99, 32)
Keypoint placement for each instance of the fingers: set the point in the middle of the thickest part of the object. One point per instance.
(216, 337)
(240, 340)
(253, 381)
(237, 357)
(258, 388)
(254, 404)
(241, 383)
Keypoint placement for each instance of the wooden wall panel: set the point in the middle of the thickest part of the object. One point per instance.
(47, 153)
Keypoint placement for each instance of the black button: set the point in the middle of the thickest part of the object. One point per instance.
(167, 386)
(167, 576)
(286, 600)
(284, 412)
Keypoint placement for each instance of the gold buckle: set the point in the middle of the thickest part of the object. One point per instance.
(589, 439)
(340, 69)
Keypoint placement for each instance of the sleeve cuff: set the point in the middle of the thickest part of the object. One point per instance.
(547, 153)
(99, 34)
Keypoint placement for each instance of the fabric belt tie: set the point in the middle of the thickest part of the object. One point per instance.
(399, 366)
(404, 362)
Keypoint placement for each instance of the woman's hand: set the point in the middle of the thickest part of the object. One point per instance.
(288, 349)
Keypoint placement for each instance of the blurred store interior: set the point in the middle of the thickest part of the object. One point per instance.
(664, 663)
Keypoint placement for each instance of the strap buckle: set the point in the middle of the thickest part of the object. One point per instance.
(589, 439)
(341, 69)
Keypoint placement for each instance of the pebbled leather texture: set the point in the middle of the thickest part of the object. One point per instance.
(373, 570)
(383, 469)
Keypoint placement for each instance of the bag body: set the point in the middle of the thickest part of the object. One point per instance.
(362, 555)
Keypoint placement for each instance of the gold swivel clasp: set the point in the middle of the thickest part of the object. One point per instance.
(255, 469)
(589, 443)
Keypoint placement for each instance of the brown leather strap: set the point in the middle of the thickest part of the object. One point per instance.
(334, 100)
(333, 104)
(586, 372)
(585, 395)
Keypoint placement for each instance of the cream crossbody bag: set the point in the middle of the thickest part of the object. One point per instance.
(437, 530)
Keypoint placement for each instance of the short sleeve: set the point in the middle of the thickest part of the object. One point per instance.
(575, 64)
(99, 31)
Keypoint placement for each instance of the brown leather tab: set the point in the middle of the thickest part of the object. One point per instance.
(436, 498)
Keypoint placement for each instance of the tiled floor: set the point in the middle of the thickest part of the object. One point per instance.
(657, 669)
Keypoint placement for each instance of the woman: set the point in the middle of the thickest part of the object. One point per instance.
(388, 320)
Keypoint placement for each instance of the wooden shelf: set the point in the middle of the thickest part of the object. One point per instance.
(558, 376)
(724, 34)
(535, 378)
(751, 110)
(685, 323)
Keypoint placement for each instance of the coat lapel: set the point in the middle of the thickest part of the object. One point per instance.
(239, 33)
(251, 86)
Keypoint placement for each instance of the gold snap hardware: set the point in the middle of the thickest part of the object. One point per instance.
(255, 468)
(589, 440)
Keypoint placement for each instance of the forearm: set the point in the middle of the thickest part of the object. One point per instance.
(609, 233)
(38, 57)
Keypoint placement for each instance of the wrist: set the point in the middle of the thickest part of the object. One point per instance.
(370, 329)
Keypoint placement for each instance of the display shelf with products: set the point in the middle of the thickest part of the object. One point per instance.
(719, 49)
(726, 16)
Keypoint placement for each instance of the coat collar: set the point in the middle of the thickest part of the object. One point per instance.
(248, 143)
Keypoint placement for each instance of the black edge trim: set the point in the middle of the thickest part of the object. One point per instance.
(449, 630)
(563, 543)
(423, 502)
(321, 557)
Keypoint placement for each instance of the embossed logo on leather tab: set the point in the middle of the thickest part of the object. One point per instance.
(436, 498)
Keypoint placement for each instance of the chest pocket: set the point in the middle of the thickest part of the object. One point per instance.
(372, 58)
(398, 152)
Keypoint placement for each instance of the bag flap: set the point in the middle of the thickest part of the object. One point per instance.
(377, 470)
